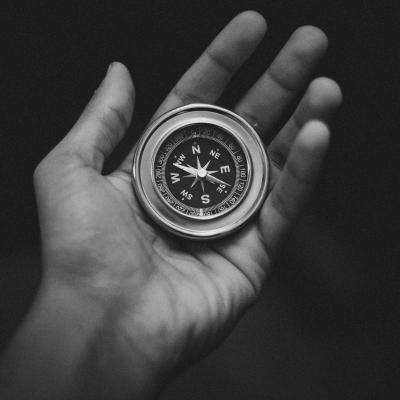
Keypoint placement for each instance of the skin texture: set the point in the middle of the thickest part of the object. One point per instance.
(123, 306)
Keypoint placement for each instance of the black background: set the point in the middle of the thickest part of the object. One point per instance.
(328, 324)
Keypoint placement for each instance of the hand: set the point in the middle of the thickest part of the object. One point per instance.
(128, 303)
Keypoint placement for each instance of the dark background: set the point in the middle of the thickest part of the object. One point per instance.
(328, 322)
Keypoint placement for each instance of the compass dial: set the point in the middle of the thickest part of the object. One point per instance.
(201, 171)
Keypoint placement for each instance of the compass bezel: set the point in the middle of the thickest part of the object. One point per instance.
(164, 215)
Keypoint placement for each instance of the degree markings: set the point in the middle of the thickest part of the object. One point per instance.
(195, 148)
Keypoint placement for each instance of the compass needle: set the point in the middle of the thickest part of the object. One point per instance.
(194, 182)
(189, 169)
(213, 179)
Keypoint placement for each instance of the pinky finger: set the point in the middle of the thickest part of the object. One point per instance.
(295, 184)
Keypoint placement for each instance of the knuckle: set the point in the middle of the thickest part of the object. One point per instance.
(251, 118)
(220, 62)
(116, 116)
(301, 177)
(278, 153)
(186, 96)
(282, 207)
(61, 157)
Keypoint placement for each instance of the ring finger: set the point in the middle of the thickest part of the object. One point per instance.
(268, 99)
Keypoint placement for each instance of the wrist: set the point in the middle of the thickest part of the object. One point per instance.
(66, 348)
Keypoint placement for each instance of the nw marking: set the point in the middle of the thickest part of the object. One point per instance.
(181, 158)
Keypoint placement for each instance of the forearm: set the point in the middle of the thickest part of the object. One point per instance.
(60, 352)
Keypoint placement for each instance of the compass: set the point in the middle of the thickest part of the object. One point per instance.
(200, 171)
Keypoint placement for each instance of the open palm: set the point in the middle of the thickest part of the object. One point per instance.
(166, 300)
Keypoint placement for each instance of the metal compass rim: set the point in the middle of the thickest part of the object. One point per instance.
(203, 228)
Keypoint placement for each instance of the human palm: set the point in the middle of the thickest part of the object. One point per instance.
(164, 299)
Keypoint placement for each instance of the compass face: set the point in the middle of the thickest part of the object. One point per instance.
(201, 171)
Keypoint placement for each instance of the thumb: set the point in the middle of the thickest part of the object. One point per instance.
(105, 119)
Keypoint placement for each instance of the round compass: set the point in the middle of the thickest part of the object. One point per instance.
(200, 171)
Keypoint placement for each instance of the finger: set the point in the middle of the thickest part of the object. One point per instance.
(209, 75)
(264, 104)
(205, 80)
(294, 186)
(321, 101)
(105, 119)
